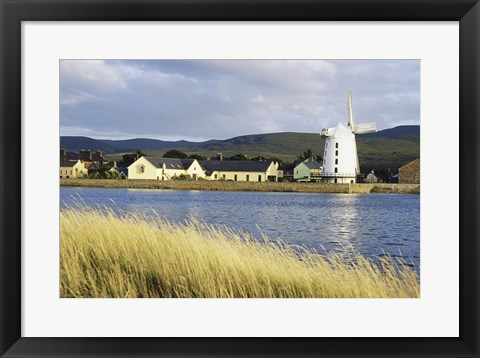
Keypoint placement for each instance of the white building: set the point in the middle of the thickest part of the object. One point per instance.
(159, 168)
(371, 178)
(340, 158)
(240, 170)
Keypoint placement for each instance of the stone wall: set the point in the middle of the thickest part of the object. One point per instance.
(246, 186)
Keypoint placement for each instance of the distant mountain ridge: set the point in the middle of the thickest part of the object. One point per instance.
(76, 143)
(394, 132)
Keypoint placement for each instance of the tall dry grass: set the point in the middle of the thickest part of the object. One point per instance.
(131, 255)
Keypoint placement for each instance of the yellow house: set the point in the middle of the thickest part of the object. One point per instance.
(159, 168)
(240, 170)
(73, 169)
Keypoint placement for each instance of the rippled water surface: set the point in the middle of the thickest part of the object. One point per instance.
(371, 223)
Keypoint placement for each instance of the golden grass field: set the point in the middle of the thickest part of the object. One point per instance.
(131, 255)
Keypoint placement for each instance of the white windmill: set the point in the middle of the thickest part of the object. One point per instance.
(340, 158)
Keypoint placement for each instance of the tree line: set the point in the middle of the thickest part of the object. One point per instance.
(129, 158)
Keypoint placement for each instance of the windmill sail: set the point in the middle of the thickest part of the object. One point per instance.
(351, 122)
(365, 128)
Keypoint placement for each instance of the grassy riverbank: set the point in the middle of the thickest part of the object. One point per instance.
(245, 186)
(106, 255)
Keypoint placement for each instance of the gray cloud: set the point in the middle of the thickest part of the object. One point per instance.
(219, 99)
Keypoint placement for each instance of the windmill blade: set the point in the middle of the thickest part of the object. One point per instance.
(351, 122)
(365, 128)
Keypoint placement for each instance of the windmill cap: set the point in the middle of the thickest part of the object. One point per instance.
(341, 131)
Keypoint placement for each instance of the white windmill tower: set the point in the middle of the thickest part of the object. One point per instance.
(340, 158)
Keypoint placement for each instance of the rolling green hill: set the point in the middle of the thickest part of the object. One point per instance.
(373, 153)
(390, 148)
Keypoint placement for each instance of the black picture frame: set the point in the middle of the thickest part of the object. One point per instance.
(13, 12)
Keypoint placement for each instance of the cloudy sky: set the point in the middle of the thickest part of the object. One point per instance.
(219, 99)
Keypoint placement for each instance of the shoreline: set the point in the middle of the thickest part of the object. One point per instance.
(204, 185)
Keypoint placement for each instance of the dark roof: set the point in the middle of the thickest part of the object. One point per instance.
(234, 165)
(85, 156)
(290, 166)
(97, 157)
(297, 161)
(170, 163)
(68, 164)
(121, 170)
(312, 164)
(187, 162)
(72, 156)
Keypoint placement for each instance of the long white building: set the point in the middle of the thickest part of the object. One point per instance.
(159, 168)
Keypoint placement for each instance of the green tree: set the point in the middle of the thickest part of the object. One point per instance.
(259, 158)
(269, 159)
(237, 157)
(196, 156)
(308, 154)
(175, 154)
(129, 158)
(102, 172)
(276, 160)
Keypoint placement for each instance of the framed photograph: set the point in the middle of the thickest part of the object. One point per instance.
(239, 178)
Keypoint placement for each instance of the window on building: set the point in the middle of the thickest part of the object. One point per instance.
(336, 153)
(140, 169)
(259, 178)
(235, 177)
(336, 161)
(336, 145)
(215, 176)
(248, 177)
(335, 180)
(223, 176)
(336, 170)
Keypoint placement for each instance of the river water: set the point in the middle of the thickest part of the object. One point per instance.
(373, 224)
